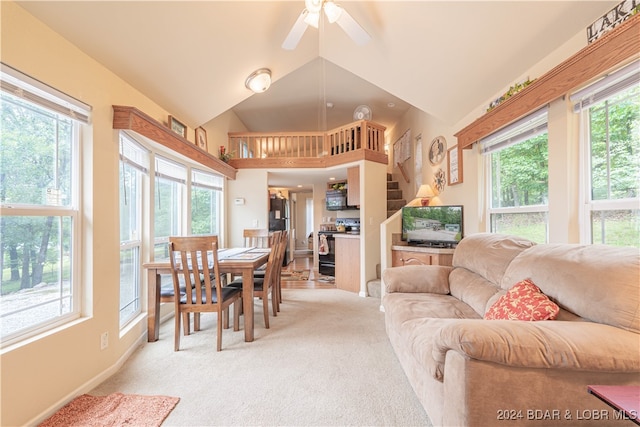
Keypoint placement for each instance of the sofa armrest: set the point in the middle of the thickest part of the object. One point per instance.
(417, 278)
(582, 346)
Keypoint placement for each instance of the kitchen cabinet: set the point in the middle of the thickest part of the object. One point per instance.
(347, 262)
(420, 255)
(353, 186)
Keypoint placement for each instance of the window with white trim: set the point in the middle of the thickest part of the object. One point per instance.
(610, 149)
(516, 160)
(169, 204)
(39, 205)
(206, 197)
(134, 166)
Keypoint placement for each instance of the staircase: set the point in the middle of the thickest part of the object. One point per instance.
(394, 196)
(394, 203)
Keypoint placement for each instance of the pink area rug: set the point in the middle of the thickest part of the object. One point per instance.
(116, 409)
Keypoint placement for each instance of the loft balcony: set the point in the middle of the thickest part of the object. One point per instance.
(360, 140)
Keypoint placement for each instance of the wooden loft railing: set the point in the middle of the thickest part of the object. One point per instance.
(361, 140)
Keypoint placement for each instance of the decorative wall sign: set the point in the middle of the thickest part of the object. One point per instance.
(177, 126)
(417, 161)
(402, 148)
(437, 150)
(439, 180)
(623, 11)
(454, 159)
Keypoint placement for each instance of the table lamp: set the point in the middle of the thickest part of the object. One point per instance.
(425, 193)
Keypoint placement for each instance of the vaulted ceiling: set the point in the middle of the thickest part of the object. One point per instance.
(442, 57)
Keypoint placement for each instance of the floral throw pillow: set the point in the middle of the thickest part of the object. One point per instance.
(524, 301)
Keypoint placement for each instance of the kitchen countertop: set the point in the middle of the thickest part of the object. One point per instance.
(346, 236)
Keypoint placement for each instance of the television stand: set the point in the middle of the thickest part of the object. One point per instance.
(404, 254)
(433, 245)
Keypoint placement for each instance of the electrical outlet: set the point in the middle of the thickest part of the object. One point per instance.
(104, 340)
(256, 224)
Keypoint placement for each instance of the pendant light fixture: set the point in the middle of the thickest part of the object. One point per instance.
(259, 81)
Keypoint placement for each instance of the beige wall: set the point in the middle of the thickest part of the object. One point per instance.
(250, 185)
(564, 212)
(40, 375)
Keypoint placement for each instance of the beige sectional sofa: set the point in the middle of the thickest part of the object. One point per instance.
(467, 371)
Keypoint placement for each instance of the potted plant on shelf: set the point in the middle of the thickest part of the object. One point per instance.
(224, 156)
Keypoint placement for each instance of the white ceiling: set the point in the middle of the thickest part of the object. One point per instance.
(443, 57)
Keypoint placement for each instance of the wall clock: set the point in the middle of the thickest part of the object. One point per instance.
(437, 150)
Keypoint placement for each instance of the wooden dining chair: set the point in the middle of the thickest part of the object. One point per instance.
(194, 263)
(256, 237)
(264, 285)
(284, 241)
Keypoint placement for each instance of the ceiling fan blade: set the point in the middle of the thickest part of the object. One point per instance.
(353, 29)
(296, 33)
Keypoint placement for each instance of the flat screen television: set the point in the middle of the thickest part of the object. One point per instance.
(437, 226)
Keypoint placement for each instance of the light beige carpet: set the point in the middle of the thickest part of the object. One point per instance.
(116, 409)
(325, 361)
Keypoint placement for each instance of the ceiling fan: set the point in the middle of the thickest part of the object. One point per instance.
(311, 16)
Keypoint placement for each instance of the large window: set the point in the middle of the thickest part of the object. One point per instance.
(610, 116)
(206, 196)
(134, 164)
(517, 165)
(39, 223)
(169, 196)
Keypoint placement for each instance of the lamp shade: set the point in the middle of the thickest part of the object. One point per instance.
(259, 81)
(425, 191)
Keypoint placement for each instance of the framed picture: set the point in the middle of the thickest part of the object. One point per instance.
(201, 138)
(454, 159)
(437, 150)
(177, 126)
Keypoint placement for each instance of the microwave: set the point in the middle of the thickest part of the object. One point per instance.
(337, 200)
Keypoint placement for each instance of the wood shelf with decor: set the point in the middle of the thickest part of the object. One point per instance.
(615, 48)
(130, 118)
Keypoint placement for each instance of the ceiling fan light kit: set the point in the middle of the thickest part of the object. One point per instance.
(259, 81)
(333, 11)
(313, 19)
(310, 16)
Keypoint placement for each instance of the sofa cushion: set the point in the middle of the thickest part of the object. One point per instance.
(489, 254)
(523, 301)
(472, 289)
(582, 346)
(417, 317)
(417, 278)
(401, 308)
(596, 282)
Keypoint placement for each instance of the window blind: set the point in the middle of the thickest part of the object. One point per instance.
(525, 128)
(22, 86)
(134, 154)
(170, 170)
(206, 180)
(613, 83)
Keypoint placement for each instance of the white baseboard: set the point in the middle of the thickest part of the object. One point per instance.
(89, 385)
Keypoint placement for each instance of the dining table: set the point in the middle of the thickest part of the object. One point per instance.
(237, 261)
